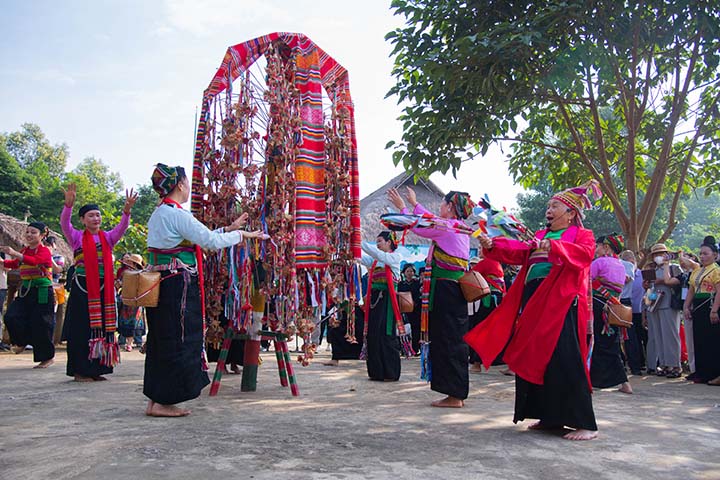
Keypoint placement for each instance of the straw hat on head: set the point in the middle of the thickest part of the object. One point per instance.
(134, 260)
(658, 248)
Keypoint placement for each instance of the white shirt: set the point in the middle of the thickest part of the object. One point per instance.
(372, 253)
(168, 226)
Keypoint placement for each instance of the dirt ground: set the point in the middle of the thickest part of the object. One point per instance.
(341, 427)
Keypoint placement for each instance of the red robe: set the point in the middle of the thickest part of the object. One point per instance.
(492, 272)
(537, 329)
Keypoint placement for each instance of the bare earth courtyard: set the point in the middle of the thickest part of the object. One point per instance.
(341, 427)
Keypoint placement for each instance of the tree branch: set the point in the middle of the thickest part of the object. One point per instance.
(652, 198)
(607, 186)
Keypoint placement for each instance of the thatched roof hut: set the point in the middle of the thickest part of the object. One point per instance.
(12, 233)
(376, 204)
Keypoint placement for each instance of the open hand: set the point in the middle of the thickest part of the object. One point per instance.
(411, 197)
(395, 198)
(255, 234)
(239, 223)
(131, 197)
(70, 195)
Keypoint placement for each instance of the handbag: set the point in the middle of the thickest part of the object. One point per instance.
(405, 302)
(619, 315)
(140, 288)
(473, 286)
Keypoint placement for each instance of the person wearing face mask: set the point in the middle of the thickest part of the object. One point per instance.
(29, 318)
(663, 321)
(543, 319)
(90, 315)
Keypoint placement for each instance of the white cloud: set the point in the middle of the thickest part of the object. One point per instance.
(54, 75)
(205, 17)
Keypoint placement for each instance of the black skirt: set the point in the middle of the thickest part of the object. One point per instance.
(706, 337)
(481, 314)
(173, 364)
(565, 398)
(448, 323)
(341, 348)
(383, 350)
(76, 330)
(606, 364)
(31, 323)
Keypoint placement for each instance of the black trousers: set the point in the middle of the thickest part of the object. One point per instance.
(31, 323)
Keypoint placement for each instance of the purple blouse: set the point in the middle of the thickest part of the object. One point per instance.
(611, 270)
(74, 236)
(452, 243)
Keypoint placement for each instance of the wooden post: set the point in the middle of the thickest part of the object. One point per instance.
(252, 345)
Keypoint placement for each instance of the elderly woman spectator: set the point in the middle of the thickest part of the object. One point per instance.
(663, 321)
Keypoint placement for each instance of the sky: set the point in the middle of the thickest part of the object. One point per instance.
(121, 80)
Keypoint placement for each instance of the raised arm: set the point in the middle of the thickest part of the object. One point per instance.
(73, 235)
(116, 233)
(392, 260)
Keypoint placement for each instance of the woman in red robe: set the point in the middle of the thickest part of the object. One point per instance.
(544, 319)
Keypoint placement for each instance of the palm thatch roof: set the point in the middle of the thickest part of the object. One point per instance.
(12, 232)
(377, 203)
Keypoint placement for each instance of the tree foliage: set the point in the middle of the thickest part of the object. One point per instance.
(623, 92)
(34, 175)
(29, 146)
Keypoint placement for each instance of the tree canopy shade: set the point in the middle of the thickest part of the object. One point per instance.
(621, 91)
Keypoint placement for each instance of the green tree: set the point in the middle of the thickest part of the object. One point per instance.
(29, 145)
(144, 206)
(532, 206)
(16, 186)
(622, 92)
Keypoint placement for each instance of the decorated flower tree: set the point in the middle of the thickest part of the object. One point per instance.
(276, 139)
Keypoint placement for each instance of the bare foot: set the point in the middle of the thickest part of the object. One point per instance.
(331, 363)
(625, 388)
(581, 434)
(715, 381)
(148, 410)
(160, 410)
(80, 378)
(540, 425)
(99, 378)
(45, 364)
(448, 402)
(476, 368)
(17, 349)
(235, 370)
